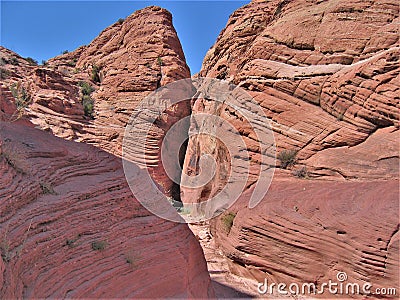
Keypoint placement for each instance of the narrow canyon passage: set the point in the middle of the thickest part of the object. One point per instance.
(226, 284)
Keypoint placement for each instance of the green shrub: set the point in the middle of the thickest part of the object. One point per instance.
(160, 61)
(3, 61)
(4, 73)
(86, 88)
(65, 52)
(44, 62)
(120, 21)
(301, 173)
(22, 98)
(31, 61)
(95, 73)
(88, 105)
(287, 158)
(71, 243)
(227, 220)
(14, 61)
(71, 63)
(99, 245)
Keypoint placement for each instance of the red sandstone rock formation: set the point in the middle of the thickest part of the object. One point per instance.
(124, 64)
(70, 227)
(308, 231)
(327, 75)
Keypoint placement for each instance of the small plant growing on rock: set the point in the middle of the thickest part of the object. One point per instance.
(287, 158)
(227, 220)
(71, 243)
(72, 63)
(301, 173)
(3, 61)
(4, 73)
(88, 104)
(99, 245)
(65, 52)
(22, 98)
(120, 21)
(14, 61)
(31, 61)
(95, 74)
(86, 88)
(160, 61)
(13, 160)
(87, 101)
(5, 250)
(47, 189)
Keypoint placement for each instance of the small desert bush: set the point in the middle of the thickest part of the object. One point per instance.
(4, 73)
(14, 61)
(227, 220)
(5, 250)
(13, 159)
(95, 73)
(99, 245)
(87, 101)
(301, 173)
(287, 158)
(88, 105)
(21, 96)
(3, 61)
(72, 63)
(31, 61)
(120, 21)
(160, 61)
(47, 188)
(86, 88)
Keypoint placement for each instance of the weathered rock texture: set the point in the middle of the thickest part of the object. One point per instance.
(124, 64)
(308, 231)
(326, 73)
(70, 227)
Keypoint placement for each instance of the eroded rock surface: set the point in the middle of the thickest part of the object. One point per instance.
(326, 74)
(70, 227)
(119, 68)
(308, 231)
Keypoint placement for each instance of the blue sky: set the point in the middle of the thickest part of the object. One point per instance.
(43, 29)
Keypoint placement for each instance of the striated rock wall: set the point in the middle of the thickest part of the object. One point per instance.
(70, 227)
(308, 231)
(124, 64)
(326, 73)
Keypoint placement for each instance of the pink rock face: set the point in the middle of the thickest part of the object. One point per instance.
(320, 75)
(124, 64)
(326, 74)
(70, 227)
(308, 231)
